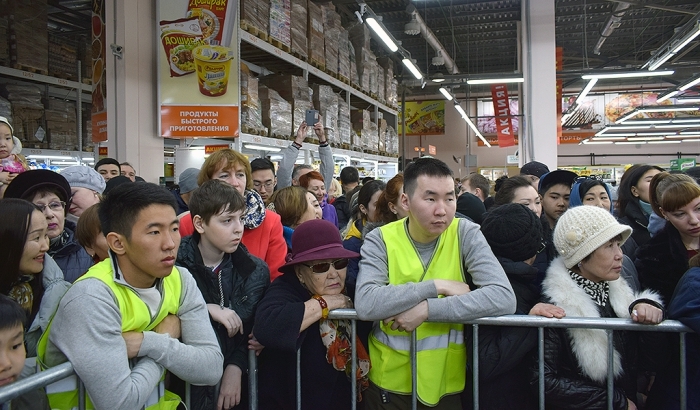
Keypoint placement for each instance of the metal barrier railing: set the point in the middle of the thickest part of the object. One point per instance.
(45, 378)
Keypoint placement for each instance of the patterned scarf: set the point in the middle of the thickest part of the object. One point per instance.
(597, 291)
(255, 210)
(336, 335)
(22, 292)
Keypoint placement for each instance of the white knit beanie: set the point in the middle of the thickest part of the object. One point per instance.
(583, 229)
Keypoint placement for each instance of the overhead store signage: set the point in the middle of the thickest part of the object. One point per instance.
(210, 149)
(98, 111)
(681, 164)
(198, 68)
(424, 118)
(504, 126)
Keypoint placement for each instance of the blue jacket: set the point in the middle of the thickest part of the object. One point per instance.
(73, 260)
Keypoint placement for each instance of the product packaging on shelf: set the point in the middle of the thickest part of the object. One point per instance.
(256, 14)
(290, 87)
(299, 108)
(281, 21)
(6, 109)
(317, 54)
(344, 124)
(354, 79)
(392, 141)
(344, 55)
(389, 86)
(326, 102)
(331, 34)
(299, 28)
(382, 136)
(276, 112)
(251, 115)
(362, 125)
(29, 39)
(27, 113)
(61, 125)
(4, 40)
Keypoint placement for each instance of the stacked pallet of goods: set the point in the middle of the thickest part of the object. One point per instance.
(29, 48)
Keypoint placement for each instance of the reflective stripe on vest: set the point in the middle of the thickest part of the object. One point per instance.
(136, 317)
(441, 353)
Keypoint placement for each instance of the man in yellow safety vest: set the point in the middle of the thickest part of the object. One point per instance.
(119, 323)
(417, 272)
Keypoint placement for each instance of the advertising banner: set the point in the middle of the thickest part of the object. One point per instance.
(98, 112)
(504, 126)
(198, 67)
(424, 118)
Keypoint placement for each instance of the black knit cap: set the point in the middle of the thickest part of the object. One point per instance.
(108, 160)
(534, 168)
(28, 183)
(513, 231)
(115, 182)
(471, 206)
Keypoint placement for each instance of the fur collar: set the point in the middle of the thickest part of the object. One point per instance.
(590, 346)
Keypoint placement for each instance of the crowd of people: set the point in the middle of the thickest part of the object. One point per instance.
(142, 288)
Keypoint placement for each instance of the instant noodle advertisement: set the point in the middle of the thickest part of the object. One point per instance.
(198, 85)
(424, 118)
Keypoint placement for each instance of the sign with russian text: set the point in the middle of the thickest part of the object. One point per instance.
(424, 118)
(504, 126)
(198, 68)
(210, 149)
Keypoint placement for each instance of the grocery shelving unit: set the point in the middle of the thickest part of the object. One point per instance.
(266, 58)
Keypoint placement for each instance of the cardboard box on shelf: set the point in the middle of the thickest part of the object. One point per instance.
(299, 28)
(281, 21)
(326, 102)
(344, 124)
(256, 14)
(317, 54)
(29, 48)
(290, 87)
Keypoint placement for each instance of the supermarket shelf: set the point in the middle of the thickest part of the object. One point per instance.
(293, 61)
(278, 143)
(57, 154)
(45, 79)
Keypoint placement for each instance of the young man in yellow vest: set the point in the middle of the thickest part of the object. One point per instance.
(428, 267)
(119, 323)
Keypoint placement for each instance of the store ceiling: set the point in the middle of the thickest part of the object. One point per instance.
(481, 36)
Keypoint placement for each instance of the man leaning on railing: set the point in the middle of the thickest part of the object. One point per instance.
(406, 266)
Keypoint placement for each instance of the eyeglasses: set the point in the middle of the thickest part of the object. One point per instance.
(323, 267)
(54, 206)
(268, 184)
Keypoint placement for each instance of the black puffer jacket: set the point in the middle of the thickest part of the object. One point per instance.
(73, 260)
(505, 352)
(638, 220)
(244, 279)
(662, 261)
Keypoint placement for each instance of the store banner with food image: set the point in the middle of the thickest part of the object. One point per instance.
(98, 112)
(198, 71)
(424, 118)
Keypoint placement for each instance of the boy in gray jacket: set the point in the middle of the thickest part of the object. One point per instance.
(119, 324)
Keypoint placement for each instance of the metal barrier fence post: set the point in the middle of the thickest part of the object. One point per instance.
(353, 377)
(540, 365)
(475, 366)
(611, 380)
(684, 387)
(252, 380)
(414, 372)
(81, 394)
(299, 379)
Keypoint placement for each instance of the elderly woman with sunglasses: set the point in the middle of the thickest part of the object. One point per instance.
(50, 192)
(293, 315)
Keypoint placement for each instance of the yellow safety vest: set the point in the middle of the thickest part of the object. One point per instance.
(441, 353)
(136, 317)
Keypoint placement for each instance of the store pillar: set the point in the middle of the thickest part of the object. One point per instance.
(539, 134)
(132, 106)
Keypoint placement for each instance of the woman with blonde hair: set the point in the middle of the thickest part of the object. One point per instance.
(334, 190)
(262, 235)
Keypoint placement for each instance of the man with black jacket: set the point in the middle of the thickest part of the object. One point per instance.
(349, 179)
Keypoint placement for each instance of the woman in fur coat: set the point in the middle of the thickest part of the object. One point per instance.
(585, 281)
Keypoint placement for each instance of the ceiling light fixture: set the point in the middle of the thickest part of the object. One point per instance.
(630, 143)
(57, 157)
(438, 78)
(499, 80)
(689, 84)
(438, 60)
(262, 148)
(631, 74)
(382, 33)
(586, 90)
(447, 94)
(412, 28)
(466, 118)
(645, 138)
(683, 36)
(667, 95)
(691, 140)
(669, 108)
(589, 142)
(412, 68)
(664, 142)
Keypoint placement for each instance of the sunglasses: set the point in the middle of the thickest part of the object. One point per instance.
(324, 267)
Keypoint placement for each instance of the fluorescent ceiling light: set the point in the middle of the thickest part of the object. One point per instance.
(586, 90)
(496, 80)
(605, 137)
(687, 41)
(684, 35)
(377, 27)
(59, 157)
(645, 138)
(669, 121)
(438, 78)
(692, 140)
(638, 111)
(689, 133)
(464, 115)
(357, 159)
(666, 96)
(664, 142)
(262, 148)
(688, 100)
(631, 74)
(630, 143)
(446, 93)
(588, 142)
(689, 84)
(412, 68)
(88, 159)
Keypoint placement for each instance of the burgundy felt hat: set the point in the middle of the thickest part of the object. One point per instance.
(314, 240)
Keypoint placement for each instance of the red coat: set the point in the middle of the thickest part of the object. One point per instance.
(266, 241)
